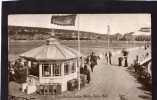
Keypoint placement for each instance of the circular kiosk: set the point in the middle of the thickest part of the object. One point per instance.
(53, 66)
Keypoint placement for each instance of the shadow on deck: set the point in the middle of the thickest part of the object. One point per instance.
(145, 84)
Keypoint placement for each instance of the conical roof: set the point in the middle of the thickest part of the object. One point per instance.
(52, 50)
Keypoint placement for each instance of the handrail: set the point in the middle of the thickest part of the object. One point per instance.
(145, 60)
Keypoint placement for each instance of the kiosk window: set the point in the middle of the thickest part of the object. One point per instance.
(56, 69)
(46, 70)
(66, 68)
(73, 68)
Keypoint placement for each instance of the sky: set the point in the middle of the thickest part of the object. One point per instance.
(119, 23)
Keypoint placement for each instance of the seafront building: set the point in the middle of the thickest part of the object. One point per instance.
(56, 65)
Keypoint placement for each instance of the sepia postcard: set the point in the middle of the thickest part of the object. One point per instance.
(79, 56)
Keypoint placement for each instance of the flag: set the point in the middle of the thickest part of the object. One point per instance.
(65, 20)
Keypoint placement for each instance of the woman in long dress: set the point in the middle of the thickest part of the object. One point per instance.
(87, 72)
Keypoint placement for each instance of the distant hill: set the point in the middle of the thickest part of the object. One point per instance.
(37, 33)
(28, 33)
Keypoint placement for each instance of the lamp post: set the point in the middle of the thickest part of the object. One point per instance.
(108, 40)
(78, 35)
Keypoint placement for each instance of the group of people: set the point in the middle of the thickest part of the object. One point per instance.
(123, 57)
(90, 63)
(17, 71)
(91, 60)
(143, 69)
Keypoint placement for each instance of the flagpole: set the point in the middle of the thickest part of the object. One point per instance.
(108, 33)
(59, 21)
(78, 34)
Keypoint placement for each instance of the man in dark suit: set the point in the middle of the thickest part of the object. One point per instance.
(110, 56)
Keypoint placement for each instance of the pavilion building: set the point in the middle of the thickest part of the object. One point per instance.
(55, 65)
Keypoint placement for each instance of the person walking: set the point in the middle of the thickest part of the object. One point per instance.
(81, 70)
(110, 56)
(87, 73)
(120, 59)
(87, 59)
(106, 57)
(126, 62)
(93, 61)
